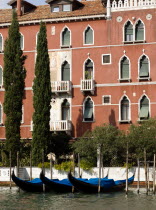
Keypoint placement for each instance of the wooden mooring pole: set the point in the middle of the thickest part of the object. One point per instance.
(145, 166)
(148, 183)
(154, 175)
(102, 166)
(51, 165)
(73, 163)
(79, 165)
(73, 189)
(17, 164)
(138, 182)
(99, 184)
(18, 167)
(127, 171)
(30, 165)
(43, 168)
(10, 168)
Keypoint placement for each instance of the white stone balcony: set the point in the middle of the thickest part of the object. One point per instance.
(122, 5)
(61, 87)
(60, 125)
(87, 85)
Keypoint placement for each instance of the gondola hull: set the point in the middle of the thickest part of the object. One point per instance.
(107, 185)
(57, 186)
(35, 185)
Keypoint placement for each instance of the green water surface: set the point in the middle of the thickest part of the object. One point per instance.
(12, 199)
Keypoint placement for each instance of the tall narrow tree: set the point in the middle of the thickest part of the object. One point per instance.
(14, 83)
(41, 98)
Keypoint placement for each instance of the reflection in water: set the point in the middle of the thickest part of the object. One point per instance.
(12, 199)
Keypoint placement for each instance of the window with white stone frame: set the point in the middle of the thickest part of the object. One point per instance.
(144, 108)
(66, 38)
(88, 113)
(88, 36)
(21, 41)
(124, 110)
(128, 32)
(134, 33)
(65, 108)
(0, 113)
(1, 43)
(144, 68)
(139, 31)
(124, 68)
(1, 76)
(106, 59)
(106, 99)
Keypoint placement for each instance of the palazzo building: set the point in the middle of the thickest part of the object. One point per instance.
(102, 62)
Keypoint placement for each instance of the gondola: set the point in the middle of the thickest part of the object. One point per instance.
(61, 186)
(106, 185)
(36, 185)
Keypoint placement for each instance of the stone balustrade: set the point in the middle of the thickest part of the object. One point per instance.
(122, 5)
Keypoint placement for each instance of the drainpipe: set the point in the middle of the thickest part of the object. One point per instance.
(19, 9)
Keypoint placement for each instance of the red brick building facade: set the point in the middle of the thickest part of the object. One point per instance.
(102, 62)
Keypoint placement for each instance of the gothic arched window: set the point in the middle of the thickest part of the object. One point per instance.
(128, 31)
(88, 69)
(1, 76)
(65, 110)
(88, 35)
(144, 67)
(144, 108)
(65, 71)
(1, 42)
(66, 37)
(124, 68)
(125, 109)
(88, 110)
(21, 41)
(139, 31)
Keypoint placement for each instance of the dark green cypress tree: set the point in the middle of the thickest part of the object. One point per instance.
(14, 83)
(41, 98)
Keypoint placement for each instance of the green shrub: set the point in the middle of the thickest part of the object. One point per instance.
(65, 166)
(86, 164)
(130, 165)
(46, 165)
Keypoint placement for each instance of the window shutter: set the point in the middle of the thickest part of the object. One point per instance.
(0, 42)
(89, 36)
(144, 67)
(144, 108)
(125, 68)
(88, 113)
(66, 37)
(139, 31)
(65, 72)
(144, 112)
(125, 109)
(1, 75)
(128, 32)
(129, 29)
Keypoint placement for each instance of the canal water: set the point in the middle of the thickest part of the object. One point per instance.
(14, 200)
